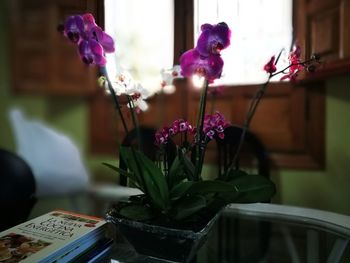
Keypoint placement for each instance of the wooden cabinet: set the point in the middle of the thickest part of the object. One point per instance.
(323, 27)
(42, 62)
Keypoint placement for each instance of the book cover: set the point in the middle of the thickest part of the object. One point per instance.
(94, 253)
(48, 236)
(78, 249)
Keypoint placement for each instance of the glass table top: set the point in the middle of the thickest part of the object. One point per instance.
(264, 233)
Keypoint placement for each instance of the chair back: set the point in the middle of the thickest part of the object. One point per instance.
(17, 190)
(253, 151)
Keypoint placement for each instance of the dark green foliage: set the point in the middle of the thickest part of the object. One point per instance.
(176, 196)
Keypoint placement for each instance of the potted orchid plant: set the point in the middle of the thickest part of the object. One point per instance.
(175, 195)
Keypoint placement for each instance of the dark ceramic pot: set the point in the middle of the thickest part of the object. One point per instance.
(159, 242)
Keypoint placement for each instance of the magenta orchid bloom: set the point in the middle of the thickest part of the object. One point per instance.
(294, 60)
(93, 42)
(95, 32)
(91, 52)
(104, 39)
(214, 125)
(89, 21)
(213, 39)
(162, 136)
(270, 66)
(178, 126)
(204, 60)
(74, 28)
(209, 67)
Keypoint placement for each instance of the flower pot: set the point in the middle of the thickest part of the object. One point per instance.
(160, 242)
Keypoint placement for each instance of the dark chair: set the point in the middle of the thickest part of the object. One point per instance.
(149, 148)
(17, 190)
(253, 152)
(253, 155)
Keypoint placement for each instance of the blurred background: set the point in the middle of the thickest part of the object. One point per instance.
(41, 74)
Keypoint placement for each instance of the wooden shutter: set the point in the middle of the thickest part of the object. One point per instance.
(42, 62)
(323, 27)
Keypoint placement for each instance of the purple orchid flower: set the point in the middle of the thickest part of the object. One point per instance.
(96, 32)
(74, 28)
(91, 52)
(213, 39)
(178, 126)
(104, 39)
(214, 124)
(192, 62)
(162, 136)
(296, 66)
(92, 41)
(89, 21)
(270, 66)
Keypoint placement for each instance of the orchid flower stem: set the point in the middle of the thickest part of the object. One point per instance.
(252, 108)
(115, 99)
(290, 65)
(139, 138)
(201, 159)
(254, 104)
(199, 134)
(135, 122)
(118, 108)
(166, 163)
(279, 55)
(204, 103)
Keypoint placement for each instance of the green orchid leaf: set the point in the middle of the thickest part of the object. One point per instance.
(176, 173)
(180, 189)
(131, 176)
(129, 158)
(207, 187)
(234, 173)
(154, 181)
(188, 206)
(149, 176)
(137, 212)
(188, 166)
(253, 188)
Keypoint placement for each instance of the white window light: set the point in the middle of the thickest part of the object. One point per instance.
(144, 38)
(260, 29)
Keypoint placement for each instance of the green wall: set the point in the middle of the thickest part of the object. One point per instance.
(328, 189)
(65, 114)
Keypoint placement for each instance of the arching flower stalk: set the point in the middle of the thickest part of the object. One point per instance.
(294, 67)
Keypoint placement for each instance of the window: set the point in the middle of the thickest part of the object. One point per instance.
(143, 31)
(260, 29)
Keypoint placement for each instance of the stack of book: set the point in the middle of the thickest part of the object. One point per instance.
(58, 236)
